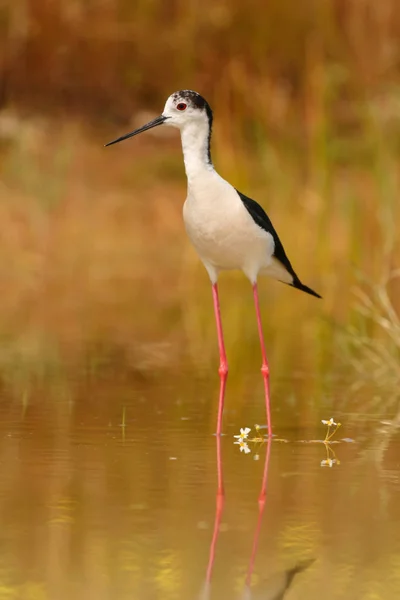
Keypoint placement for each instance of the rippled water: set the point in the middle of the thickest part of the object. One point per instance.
(110, 491)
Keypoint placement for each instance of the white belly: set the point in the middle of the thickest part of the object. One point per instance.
(222, 231)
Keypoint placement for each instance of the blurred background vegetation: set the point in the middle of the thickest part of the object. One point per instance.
(93, 257)
(107, 335)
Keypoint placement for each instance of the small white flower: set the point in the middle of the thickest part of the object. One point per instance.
(329, 423)
(243, 446)
(243, 434)
(329, 462)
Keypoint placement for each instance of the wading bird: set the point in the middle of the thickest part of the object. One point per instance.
(228, 229)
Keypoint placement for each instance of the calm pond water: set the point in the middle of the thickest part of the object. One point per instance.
(109, 490)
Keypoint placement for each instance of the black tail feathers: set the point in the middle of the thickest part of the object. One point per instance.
(300, 286)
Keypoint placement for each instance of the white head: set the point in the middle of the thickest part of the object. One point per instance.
(183, 110)
(186, 107)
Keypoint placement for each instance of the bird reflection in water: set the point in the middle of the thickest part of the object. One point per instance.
(276, 586)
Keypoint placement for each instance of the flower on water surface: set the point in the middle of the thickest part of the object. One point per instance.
(329, 423)
(243, 446)
(329, 462)
(329, 434)
(243, 434)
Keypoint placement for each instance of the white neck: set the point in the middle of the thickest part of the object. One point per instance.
(195, 146)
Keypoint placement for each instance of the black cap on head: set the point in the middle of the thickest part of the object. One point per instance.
(196, 101)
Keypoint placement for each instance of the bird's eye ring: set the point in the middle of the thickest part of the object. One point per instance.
(181, 106)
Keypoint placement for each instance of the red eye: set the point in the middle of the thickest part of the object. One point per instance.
(181, 106)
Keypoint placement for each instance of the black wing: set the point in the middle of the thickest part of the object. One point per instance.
(261, 218)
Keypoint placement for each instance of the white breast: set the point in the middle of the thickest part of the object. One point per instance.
(221, 229)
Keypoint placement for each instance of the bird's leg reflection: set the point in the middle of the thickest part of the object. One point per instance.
(219, 508)
(274, 588)
(261, 507)
(220, 500)
(223, 362)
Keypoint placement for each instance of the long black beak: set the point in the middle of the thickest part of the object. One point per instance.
(158, 121)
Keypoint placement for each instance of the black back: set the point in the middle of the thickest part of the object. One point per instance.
(261, 218)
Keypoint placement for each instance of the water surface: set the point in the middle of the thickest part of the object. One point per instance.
(110, 491)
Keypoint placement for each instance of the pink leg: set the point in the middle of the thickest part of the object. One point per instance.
(264, 366)
(223, 363)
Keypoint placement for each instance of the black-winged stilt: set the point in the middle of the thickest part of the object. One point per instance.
(228, 229)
